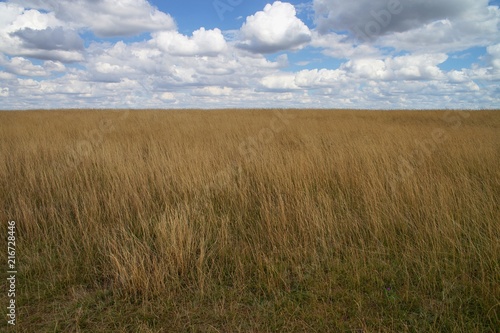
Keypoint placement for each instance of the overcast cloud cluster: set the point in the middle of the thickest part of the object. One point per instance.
(373, 54)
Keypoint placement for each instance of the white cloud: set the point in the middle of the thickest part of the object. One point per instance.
(54, 66)
(214, 68)
(6, 76)
(213, 91)
(376, 17)
(203, 42)
(494, 56)
(106, 18)
(167, 96)
(281, 81)
(448, 35)
(38, 35)
(15, 17)
(49, 39)
(455, 76)
(112, 63)
(8, 12)
(319, 78)
(22, 66)
(417, 66)
(409, 67)
(341, 46)
(274, 29)
(391, 69)
(50, 30)
(437, 26)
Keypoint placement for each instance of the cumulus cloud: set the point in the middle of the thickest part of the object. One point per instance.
(107, 18)
(305, 79)
(281, 81)
(390, 15)
(22, 66)
(38, 35)
(391, 69)
(494, 56)
(203, 42)
(54, 66)
(274, 29)
(319, 78)
(409, 67)
(167, 96)
(161, 68)
(4, 92)
(15, 17)
(213, 91)
(449, 35)
(411, 25)
(341, 46)
(4, 76)
(209, 68)
(50, 39)
(113, 63)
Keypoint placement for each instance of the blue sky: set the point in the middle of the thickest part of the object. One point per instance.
(410, 54)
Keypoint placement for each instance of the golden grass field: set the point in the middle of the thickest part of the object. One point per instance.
(253, 220)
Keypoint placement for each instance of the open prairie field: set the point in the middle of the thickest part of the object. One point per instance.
(253, 220)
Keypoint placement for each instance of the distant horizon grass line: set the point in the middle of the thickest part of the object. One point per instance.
(247, 108)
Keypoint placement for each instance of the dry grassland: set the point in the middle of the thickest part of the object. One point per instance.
(253, 220)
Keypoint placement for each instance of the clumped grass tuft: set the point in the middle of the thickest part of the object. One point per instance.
(254, 220)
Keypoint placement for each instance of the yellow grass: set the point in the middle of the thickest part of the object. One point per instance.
(253, 220)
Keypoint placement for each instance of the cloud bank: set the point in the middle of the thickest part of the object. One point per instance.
(360, 54)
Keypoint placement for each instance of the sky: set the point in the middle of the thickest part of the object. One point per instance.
(362, 54)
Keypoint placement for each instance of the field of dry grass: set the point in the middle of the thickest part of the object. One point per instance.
(253, 220)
